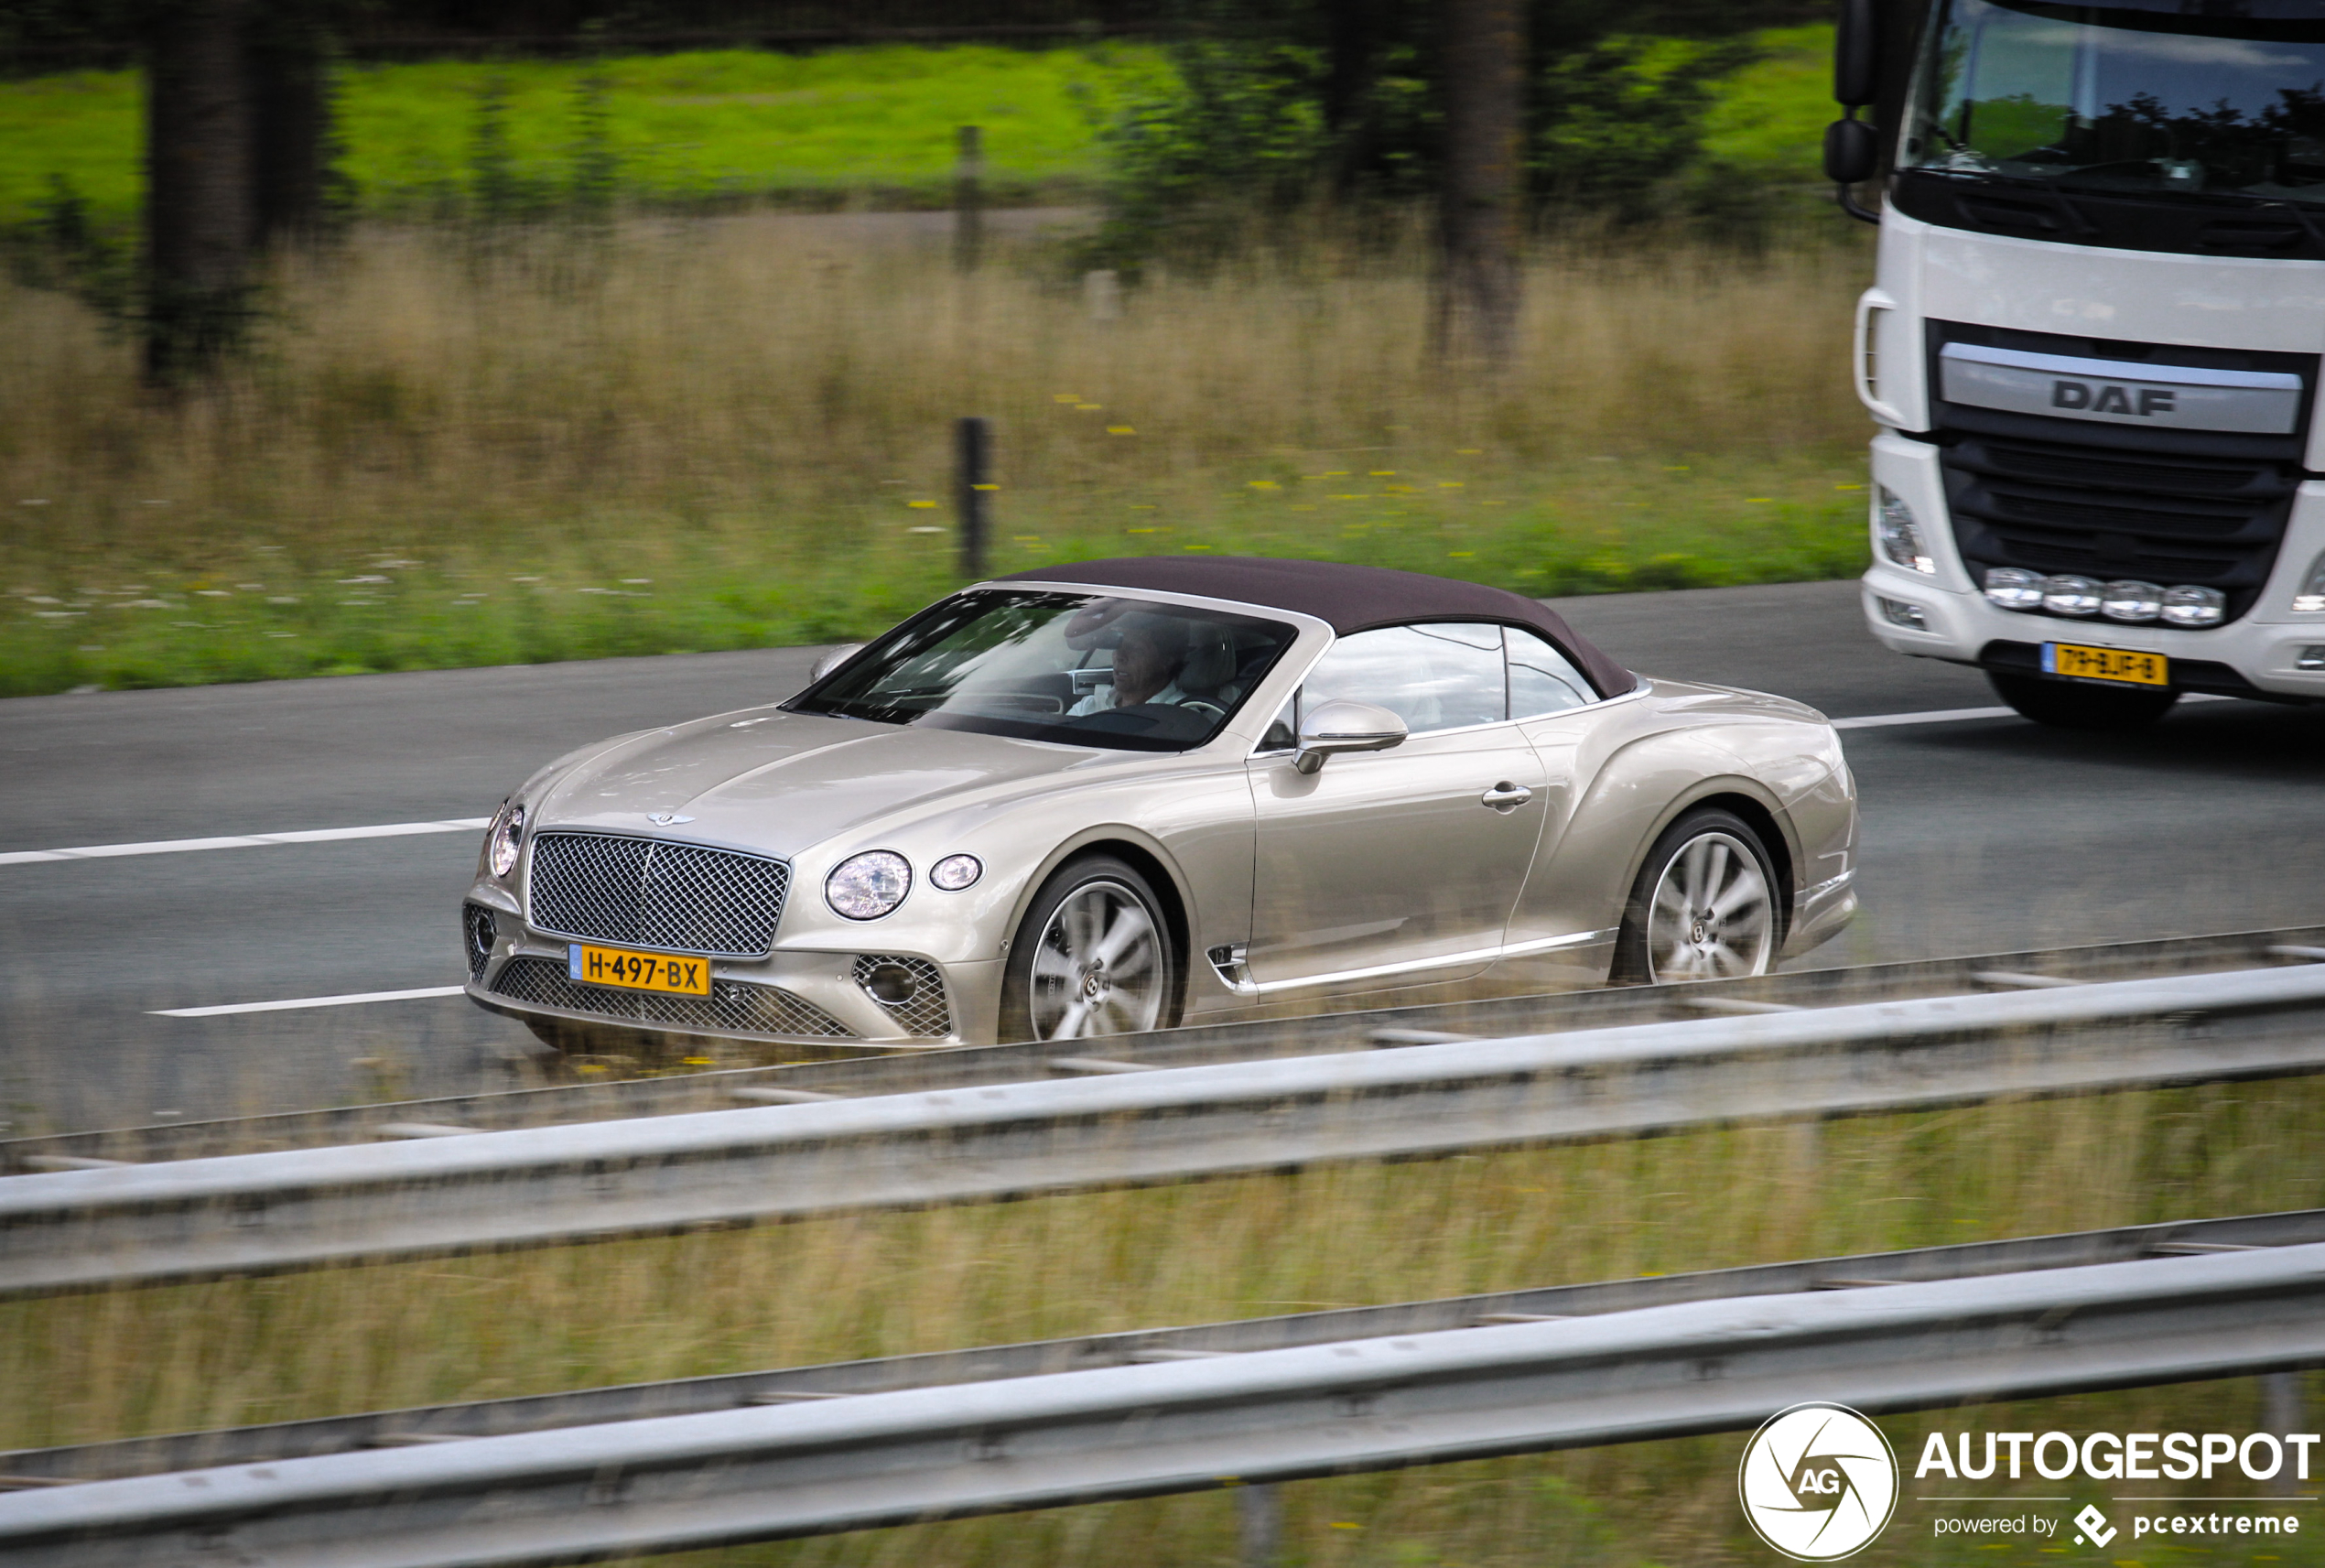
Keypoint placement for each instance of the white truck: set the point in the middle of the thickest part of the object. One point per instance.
(2093, 343)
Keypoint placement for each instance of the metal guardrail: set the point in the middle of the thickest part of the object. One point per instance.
(299, 1208)
(690, 1396)
(764, 1472)
(859, 1074)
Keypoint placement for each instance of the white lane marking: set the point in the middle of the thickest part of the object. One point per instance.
(307, 1001)
(247, 842)
(1937, 716)
(1952, 715)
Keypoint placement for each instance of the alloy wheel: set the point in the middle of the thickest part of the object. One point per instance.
(1711, 917)
(1098, 968)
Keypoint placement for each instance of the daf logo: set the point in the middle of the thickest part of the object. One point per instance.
(667, 819)
(2104, 397)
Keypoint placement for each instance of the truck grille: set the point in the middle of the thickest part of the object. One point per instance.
(608, 888)
(2107, 514)
(731, 1007)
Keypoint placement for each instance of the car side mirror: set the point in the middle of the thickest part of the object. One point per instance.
(832, 660)
(1342, 726)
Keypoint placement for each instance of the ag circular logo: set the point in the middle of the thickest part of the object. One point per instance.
(1818, 1482)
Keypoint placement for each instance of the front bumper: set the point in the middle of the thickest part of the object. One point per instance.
(791, 997)
(2256, 656)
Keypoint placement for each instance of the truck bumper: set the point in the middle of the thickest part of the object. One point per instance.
(1941, 614)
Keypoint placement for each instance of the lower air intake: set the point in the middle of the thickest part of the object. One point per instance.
(731, 1007)
(910, 991)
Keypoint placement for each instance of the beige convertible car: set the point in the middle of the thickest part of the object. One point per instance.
(1120, 796)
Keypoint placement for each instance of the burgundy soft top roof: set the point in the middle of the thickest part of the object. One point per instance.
(1350, 598)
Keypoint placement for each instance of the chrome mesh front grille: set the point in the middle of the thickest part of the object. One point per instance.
(731, 1007)
(608, 888)
(916, 988)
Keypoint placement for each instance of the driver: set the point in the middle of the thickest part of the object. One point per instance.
(1147, 663)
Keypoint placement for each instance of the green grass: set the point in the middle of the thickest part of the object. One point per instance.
(631, 581)
(685, 128)
(1770, 117)
(688, 128)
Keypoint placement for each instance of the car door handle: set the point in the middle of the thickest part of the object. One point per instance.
(1507, 796)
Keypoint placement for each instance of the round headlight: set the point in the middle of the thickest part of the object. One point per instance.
(867, 886)
(2070, 596)
(508, 836)
(2195, 606)
(2015, 588)
(955, 873)
(2131, 601)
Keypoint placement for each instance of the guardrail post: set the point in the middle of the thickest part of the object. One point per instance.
(2281, 1412)
(1102, 294)
(969, 199)
(973, 488)
(1259, 1512)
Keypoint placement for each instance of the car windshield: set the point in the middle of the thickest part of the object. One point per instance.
(1082, 669)
(2135, 96)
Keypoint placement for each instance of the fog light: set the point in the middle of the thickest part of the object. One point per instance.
(1900, 535)
(2131, 602)
(2077, 595)
(2015, 588)
(1898, 612)
(889, 984)
(2194, 605)
(2311, 660)
(2312, 597)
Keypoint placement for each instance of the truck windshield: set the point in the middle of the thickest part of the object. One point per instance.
(2192, 97)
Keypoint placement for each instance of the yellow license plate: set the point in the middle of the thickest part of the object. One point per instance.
(2106, 664)
(594, 965)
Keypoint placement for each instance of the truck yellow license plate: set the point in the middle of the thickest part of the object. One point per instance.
(2120, 665)
(595, 966)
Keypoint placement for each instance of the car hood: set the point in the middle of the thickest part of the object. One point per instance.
(777, 782)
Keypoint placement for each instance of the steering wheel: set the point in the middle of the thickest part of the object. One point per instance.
(1208, 710)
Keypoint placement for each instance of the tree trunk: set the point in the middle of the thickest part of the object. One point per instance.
(1353, 28)
(1484, 44)
(198, 163)
(290, 128)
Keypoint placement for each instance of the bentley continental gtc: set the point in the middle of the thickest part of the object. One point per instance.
(1115, 796)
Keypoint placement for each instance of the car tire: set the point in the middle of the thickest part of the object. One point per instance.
(2068, 705)
(1093, 956)
(1705, 905)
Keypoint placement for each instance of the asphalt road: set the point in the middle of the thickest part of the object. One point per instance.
(1980, 835)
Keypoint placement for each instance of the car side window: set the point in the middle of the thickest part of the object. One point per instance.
(1541, 679)
(1440, 675)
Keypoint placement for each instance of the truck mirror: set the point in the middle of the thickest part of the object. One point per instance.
(1855, 56)
(1852, 152)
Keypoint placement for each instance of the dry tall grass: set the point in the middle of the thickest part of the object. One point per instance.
(199, 1357)
(755, 413)
(734, 362)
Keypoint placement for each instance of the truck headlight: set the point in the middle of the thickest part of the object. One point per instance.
(2015, 588)
(1900, 535)
(2187, 606)
(2076, 596)
(867, 886)
(2312, 597)
(506, 837)
(2129, 600)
